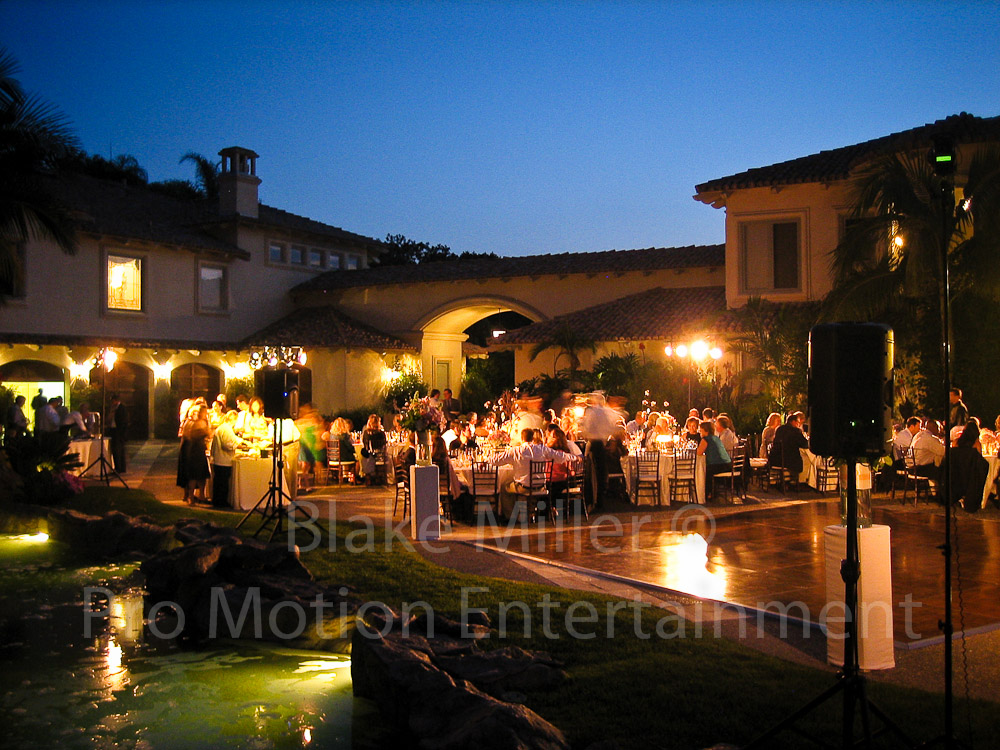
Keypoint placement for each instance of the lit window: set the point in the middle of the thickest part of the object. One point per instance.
(351, 262)
(769, 256)
(297, 255)
(276, 252)
(316, 258)
(124, 283)
(333, 261)
(212, 288)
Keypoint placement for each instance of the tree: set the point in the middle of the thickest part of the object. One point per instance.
(33, 137)
(888, 265)
(400, 250)
(207, 174)
(569, 341)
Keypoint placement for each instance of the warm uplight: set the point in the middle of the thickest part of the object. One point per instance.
(110, 357)
(497, 333)
(578, 411)
(39, 537)
(161, 372)
(699, 350)
(681, 350)
(79, 372)
(898, 241)
(390, 375)
(240, 370)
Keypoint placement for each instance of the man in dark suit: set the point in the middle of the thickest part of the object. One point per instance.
(451, 407)
(116, 424)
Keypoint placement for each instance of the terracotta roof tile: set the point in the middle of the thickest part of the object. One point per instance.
(836, 164)
(608, 261)
(325, 327)
(657, 313)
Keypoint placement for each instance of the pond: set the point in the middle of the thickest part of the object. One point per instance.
(120, 687)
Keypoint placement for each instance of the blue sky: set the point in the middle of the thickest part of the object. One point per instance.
(515, 127)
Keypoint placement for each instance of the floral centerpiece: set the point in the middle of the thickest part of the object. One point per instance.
(420, 415)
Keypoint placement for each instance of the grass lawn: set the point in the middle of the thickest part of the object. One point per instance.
(656, 692)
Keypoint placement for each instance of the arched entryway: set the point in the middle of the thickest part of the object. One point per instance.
(131, 382)
(26, 377)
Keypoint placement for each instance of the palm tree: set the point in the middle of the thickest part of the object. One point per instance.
(33, 137)
(207, 173)
(569, 342)
(891, 253)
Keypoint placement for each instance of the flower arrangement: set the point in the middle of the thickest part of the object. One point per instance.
(420, 415)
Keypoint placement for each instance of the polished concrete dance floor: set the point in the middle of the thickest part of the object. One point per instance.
(777, 555)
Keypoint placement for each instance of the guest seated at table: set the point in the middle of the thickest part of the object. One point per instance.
(788, 440)
(902, 440)
(340, 433)
(968, 469)
(223, 451)
(708, 415)
(373, 446)
(767, 436)
(660, 436)
(617, 449)
(692, 433)
(928, 450)
(725, 432)
(450, 436)
(717, 460)
(192, 460)
(636, 428)
(555, 439)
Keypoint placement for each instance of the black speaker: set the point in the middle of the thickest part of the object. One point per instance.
(850, 389)
(279, 390)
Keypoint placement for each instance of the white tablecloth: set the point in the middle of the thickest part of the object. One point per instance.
(250, 482)
(88, 451)
(994, 463)
(505, 476)
(630, 467)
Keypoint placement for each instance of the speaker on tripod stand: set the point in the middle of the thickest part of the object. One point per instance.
(279, 390)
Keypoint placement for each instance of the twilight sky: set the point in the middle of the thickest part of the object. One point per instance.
(512, 127)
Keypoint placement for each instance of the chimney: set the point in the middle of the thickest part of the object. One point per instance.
(238, 182)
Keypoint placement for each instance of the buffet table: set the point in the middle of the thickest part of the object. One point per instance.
(88, 449)
(251, 480)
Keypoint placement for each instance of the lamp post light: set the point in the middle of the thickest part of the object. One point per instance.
(698, 351)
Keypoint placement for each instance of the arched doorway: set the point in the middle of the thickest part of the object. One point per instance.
(191, 381)
(26, 377)
(131, 382)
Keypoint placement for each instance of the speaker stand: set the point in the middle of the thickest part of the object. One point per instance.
(850, 681)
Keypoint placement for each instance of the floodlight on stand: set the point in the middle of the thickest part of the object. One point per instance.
(272, 356)
(681, 350)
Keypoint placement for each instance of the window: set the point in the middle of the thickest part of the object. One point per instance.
(296, 255)
(769, 256)
(315, 258)
(276, 252)
(213, 288)
(124, 283)
(332, 261)
(351, 262)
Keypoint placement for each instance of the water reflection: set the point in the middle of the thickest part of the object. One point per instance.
(684, 566)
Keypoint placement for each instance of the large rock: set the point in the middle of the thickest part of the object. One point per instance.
(111, 535)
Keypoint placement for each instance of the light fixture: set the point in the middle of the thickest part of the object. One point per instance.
(681, 350)
(272, 356)
(668, 350)
(105, 358)
(699, 350)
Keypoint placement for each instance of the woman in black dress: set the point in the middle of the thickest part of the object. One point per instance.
(192, 461)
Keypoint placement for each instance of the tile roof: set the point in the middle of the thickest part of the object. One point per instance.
(836, 164)
(109, 207)
(118, 342)
(656, 313)
(113, 208)
(607, 261)
(325, 327)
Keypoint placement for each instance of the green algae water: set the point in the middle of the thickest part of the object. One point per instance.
(120, 688)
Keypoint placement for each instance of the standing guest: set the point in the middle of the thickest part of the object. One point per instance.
(116, 422)
(788, 439)
(73, 426)
(598, 423)
(717, 459)
(767, 436)
(726, 434)
(89, 418)
(242, 409)
(38, 403)
(217, 413)
(15, 423)
(636, 428)
(254, 422)
(529, 416)
(47, 418)
(61, 409)
(958, 414)
(311, 446)
(373, 447)
(192, 460)
(451, 407)
(224, 445)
